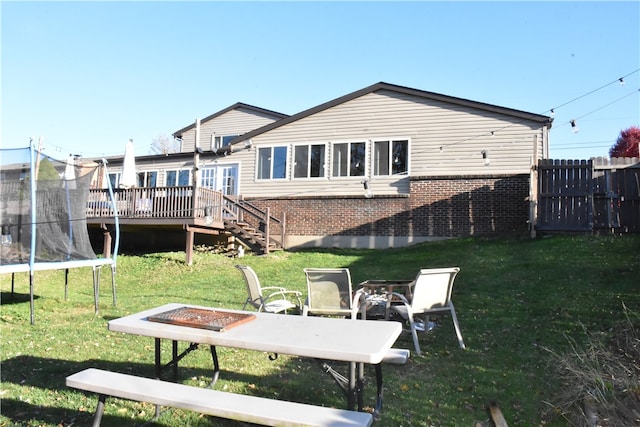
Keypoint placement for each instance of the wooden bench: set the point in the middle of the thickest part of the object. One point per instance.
(240, 407)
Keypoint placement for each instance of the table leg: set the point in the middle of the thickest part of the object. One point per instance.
(174, 360)
(158, 363)
(352, 389)
(158, 360)
(360, 386)
(378, 408)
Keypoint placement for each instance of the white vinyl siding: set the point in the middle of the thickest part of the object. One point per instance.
(444, 139)
(234, 122)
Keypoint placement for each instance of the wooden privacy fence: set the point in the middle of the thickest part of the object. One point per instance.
(589, 195)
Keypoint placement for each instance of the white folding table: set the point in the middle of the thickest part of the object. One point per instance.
(357, 342)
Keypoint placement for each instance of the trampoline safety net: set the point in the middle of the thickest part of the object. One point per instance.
(58, 209)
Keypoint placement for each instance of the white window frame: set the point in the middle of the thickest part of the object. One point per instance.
(271, 160)
(142, 178)
(390, 143)
(349, 143)
(323, 165)
(178, 173)
(220, 141)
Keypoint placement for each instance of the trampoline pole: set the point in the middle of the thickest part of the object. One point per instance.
(33, 320)
(66, 283)
(96, 287)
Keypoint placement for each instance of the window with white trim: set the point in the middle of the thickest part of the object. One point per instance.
(178, 178)
(348, 159)
(272, 162)
(148, 179)
(390, 157)
(221, 141)
(309, 161)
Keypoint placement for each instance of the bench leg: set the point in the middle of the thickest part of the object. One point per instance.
(216, 366)
(97, 419)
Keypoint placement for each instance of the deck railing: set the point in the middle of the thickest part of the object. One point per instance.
(156, 203)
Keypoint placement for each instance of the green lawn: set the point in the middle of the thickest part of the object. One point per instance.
(515, 298)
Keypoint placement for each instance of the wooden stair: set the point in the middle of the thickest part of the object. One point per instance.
(250, 236)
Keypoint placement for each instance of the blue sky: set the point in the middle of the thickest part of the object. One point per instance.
(88, 76)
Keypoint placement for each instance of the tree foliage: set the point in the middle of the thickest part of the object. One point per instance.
(627, 144)
(165, 144)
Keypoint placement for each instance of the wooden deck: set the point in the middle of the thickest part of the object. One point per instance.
(158, 205)
(199, 210)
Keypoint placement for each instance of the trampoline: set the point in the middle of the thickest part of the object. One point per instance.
(43, 204)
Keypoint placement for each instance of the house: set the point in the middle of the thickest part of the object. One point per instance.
(384, 166)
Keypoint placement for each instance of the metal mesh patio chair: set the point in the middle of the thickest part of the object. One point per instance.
(330, 293)
(271, 299)
(430, 294)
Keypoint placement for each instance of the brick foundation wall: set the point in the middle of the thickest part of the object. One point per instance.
(469, 206)
(440, 207)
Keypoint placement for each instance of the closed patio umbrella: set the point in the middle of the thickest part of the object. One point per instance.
(128, 178)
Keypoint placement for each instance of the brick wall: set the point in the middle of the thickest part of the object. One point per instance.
(441, 207)
(469, 206)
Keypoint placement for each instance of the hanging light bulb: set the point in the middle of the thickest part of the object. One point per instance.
(574, 127)
(553, 112)
(367, 191)
(493, 133)
(621, 80)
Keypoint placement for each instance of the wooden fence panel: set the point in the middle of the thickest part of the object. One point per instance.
(589, 195)
(564, 196)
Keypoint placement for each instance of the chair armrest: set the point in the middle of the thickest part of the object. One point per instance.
(391, 295)
(284, 294)
(359, 304)
(271, 288)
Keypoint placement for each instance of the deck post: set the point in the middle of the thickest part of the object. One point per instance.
(188, 250)
(106, 248)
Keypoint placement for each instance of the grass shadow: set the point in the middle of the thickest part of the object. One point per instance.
(8, 298)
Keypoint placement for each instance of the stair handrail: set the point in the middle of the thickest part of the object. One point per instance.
(242, 206)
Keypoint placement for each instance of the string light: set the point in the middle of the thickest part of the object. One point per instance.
(574, 127)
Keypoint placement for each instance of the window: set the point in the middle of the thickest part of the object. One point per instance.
(115, 179)
(349, 159)
(178, 178)
(221, 141)
(390, 157)
(272, 163)
(147, 179)
(309, 161)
